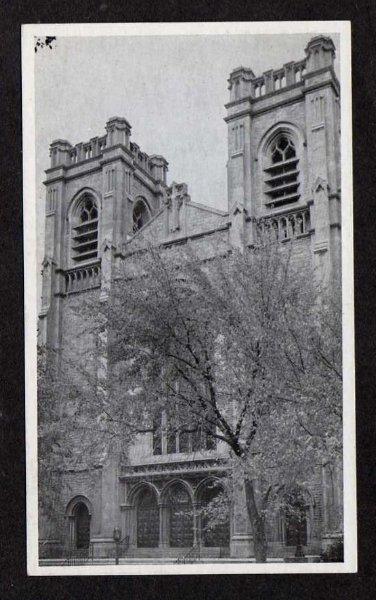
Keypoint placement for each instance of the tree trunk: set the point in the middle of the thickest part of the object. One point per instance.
(257, 522)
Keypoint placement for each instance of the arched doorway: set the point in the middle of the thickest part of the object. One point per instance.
(296, 524)
(147, 519)
(180, 517)
(82, 526)
(297, 508)
(214, 533)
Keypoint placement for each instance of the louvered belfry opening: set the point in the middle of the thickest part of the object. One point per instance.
(85, 233)
(282, 174)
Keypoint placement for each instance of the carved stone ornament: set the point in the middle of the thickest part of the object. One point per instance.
(320, 184)
(107, 245)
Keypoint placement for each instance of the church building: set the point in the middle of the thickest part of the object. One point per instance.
(105, 199)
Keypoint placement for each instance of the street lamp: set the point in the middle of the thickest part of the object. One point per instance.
(117, 537)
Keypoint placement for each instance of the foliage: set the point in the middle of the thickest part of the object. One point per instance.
(334, 553)
(246, 349)
(241, 351)
(72, 433)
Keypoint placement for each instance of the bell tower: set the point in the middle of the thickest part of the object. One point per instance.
(284, 154)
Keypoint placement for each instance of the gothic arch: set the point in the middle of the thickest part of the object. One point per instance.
(217, 534)
(145, 508)
(75, 246)
(290, 129)
(141, 213)
(74, 203)
(69, 511)
(179, 507)
(177, 481)
(137, 489)
(281, 160)
(79, 512)
(309, 505)
(204, 483)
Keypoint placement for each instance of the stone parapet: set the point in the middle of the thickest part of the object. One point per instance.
(320, 54)
(118, 132)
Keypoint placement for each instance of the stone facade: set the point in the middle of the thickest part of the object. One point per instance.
(106, 199)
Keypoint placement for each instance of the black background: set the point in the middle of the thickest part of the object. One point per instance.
(14, 582)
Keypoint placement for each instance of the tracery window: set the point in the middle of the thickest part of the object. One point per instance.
(85, 233)
(282, 172)
(141, 215)
(170, 437)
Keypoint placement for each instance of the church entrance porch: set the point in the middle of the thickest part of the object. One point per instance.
(169, 517)
(180, 517)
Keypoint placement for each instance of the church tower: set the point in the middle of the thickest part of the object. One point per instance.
(98, 194)
(284, 154)
(107, 200)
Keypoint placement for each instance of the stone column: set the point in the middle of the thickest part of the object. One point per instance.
(249, 204)
(289, 73)
(70, 541)
(163, 525)
(269, 81)
(196, 524)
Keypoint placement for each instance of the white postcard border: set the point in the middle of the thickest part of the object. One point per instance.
(29, 32)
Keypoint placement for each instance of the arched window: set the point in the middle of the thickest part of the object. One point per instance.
(282, 172)
(85, 232)
(141, 215)
(174, 434)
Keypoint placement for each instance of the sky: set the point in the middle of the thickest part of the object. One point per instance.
(171, 89)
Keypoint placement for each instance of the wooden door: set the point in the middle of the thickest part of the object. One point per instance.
(147, 520)
(82, 526)
(181, 519)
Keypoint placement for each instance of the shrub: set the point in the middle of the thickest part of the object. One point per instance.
(334, 552)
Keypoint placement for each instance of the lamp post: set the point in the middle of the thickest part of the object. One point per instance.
(117, 537)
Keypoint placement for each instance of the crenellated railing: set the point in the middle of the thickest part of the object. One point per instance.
(86, 150)
(272, 81)
(141, 158)
(286, 226)
(83, 278)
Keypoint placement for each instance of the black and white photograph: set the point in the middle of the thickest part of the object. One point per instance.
(189, 282)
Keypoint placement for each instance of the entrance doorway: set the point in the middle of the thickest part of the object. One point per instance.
(214, 534)
(296, 525)
(147, 520)
(180, 517)
(82, 522)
